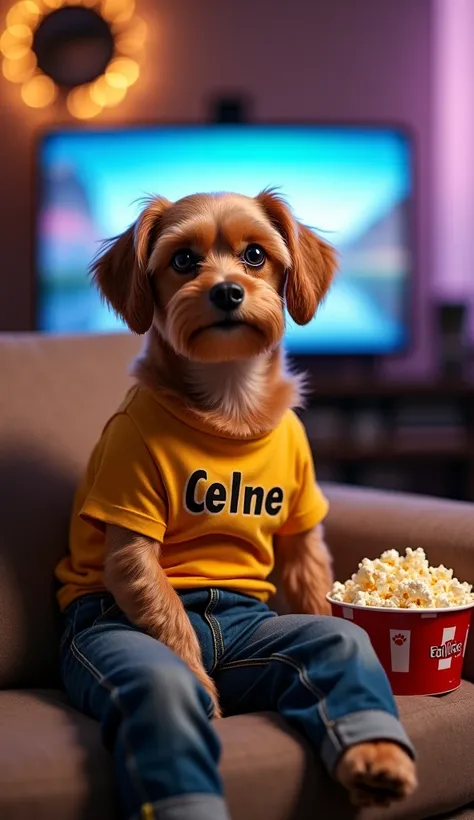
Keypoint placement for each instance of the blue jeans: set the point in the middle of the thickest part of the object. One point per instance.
(321, 673)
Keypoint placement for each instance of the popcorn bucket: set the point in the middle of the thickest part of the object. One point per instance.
(421, 650)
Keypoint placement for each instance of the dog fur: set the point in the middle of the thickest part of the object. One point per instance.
(235, 380)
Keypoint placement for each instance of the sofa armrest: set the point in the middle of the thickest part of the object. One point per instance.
(363, 523)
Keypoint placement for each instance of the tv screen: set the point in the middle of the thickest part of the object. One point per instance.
(352, 184)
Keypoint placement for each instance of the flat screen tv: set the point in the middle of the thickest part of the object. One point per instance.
(353, 184)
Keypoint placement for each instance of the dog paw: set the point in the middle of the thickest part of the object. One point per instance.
(377, 774)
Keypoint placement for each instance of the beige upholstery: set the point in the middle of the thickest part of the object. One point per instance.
(464, 814)
(53, 766)
(54, 396)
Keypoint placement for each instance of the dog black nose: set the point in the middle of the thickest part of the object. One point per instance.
(227, 296)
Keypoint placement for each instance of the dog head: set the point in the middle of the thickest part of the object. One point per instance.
(211, 272)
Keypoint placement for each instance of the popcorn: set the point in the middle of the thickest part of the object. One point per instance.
(403, 582)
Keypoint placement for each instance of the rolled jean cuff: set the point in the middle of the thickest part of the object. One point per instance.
(182, 807)
(362, 727)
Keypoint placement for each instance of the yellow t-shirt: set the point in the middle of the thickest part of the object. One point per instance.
(214, 501)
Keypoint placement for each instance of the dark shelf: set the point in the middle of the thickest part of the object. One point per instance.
(435, 450)
(374, 390)
(423, 433)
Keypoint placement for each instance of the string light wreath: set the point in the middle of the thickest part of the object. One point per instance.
(30, 24)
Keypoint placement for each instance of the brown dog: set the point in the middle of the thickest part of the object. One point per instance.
(173, 276)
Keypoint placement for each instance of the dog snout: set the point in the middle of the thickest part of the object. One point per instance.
(227, 296)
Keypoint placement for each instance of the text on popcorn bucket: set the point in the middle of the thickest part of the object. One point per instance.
(446, 650)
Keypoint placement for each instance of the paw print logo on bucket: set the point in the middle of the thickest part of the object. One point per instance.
(421, 650)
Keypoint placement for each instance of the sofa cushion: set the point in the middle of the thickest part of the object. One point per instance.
(55, 395)
(52, 765)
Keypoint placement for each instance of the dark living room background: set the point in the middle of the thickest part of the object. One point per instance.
(407, 421)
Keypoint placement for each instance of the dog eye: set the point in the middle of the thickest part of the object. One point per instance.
(254, 256)
(184, 261)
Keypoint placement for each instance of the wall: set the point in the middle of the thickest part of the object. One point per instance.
(332, 59)
(453, 132)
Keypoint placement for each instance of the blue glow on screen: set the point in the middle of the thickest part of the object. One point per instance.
(352, 184)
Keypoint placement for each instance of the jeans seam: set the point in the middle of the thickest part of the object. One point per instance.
(330, 725)
(180, 799)
(239, 664)
(65, 635)
(302, 674)
(214, 626)
(76, 611)
(104, 612)
(320, 696)
(115, 698)
(218, 628)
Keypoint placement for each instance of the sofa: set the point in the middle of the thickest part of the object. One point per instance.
(55, 393)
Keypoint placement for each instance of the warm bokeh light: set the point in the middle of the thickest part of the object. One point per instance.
(26, 12)
(132, 40)
(122, 72)
(117, 10)
(18, 71)
(15, 51)
(106, 95)
(21, 32)
(81, 105)
(39, 91)
(12, 46)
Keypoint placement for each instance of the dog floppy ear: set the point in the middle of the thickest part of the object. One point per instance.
(313, 260)
(120, 271)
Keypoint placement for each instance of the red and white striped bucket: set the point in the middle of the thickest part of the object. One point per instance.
(421, 650)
